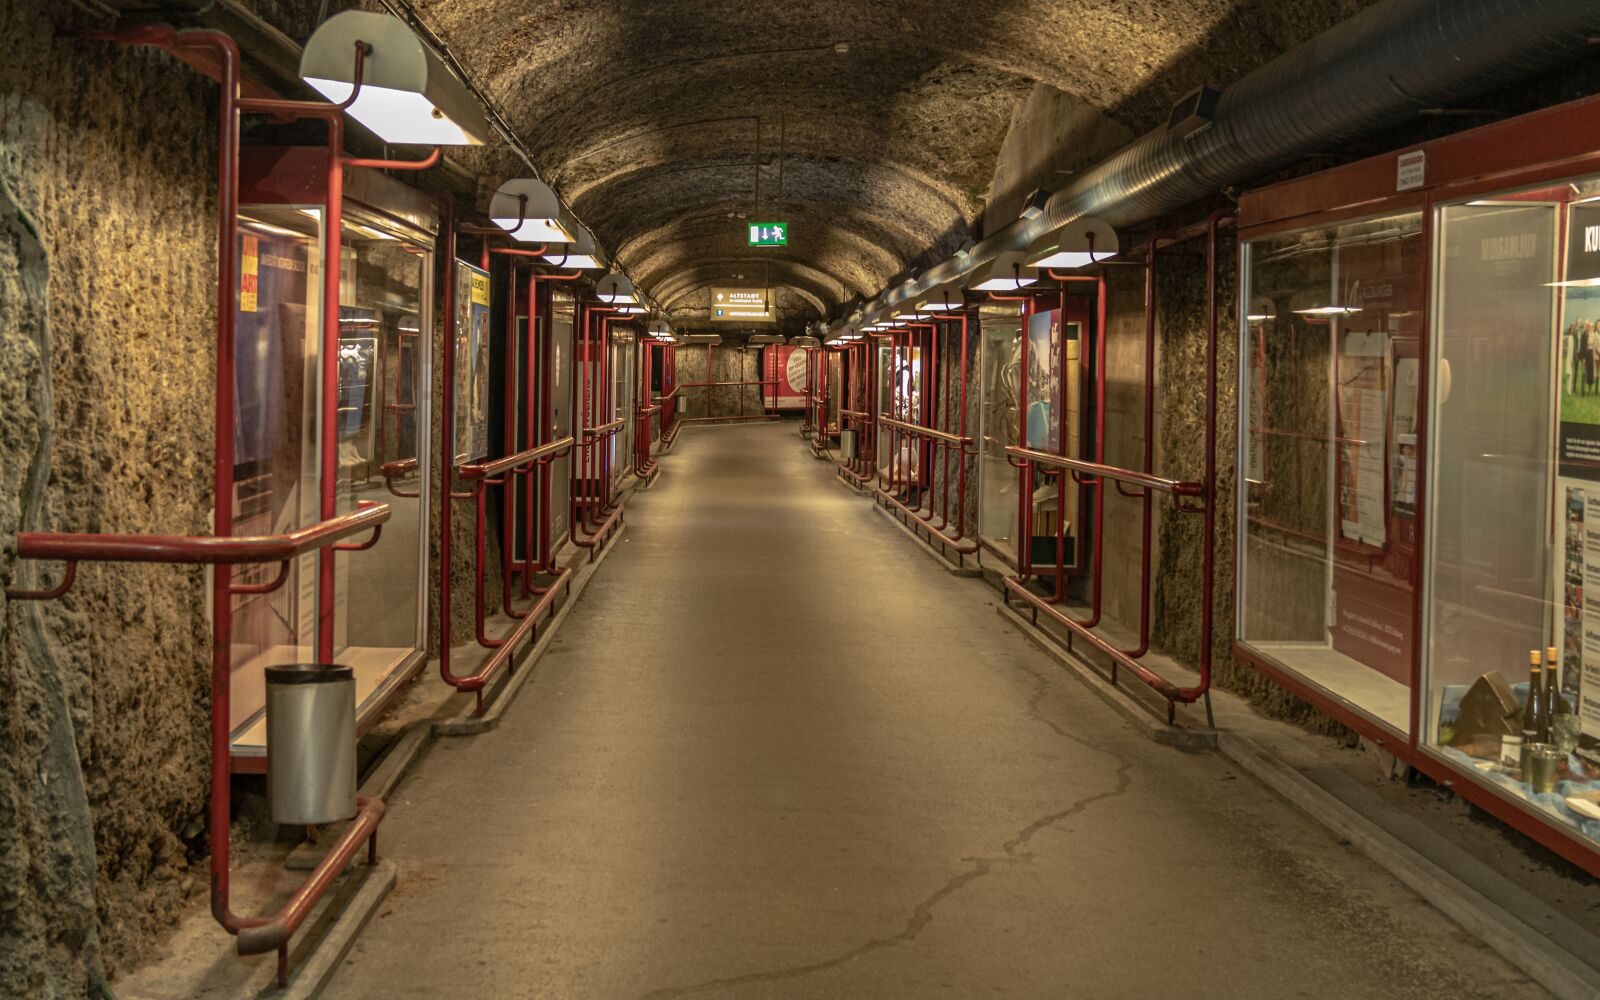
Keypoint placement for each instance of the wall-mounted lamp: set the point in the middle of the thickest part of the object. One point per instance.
(765, 338)
(615, 289)
(703, 338)
(805, 341)
(407, 95)
(1079, 243)
(581, 255)
(943, 299)
(529, 210)
(1006, 273)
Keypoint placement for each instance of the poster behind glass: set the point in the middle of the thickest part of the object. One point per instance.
(1000, 371)
(275, 459)
(470, 422)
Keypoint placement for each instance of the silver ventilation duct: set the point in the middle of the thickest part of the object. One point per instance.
(1374, 71)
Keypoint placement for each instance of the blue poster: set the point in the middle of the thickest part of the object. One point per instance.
(1044, 381)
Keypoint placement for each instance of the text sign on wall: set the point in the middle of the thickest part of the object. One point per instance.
(769, 234)
(741, 305)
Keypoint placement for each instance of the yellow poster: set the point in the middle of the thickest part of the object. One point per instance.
(480, 289)
(249, 274)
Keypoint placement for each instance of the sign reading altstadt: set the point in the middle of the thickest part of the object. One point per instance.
(741, 305)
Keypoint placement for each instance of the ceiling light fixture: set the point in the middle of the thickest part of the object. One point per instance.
(407, 93)
(1006, 273)
(581, 255)
(530, 212)
(1079, 243)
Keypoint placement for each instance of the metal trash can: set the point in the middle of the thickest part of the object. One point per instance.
(847, 444)
(311, 743)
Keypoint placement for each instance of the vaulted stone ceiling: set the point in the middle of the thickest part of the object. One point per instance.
(871, 126)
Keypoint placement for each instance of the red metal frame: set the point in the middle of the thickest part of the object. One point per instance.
(1544, 147)
(506, 472)
(216, 54)
(861, 390)
(934, 444)
(708, 385)
(1145, 485)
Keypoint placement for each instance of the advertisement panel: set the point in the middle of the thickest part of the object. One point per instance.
(787, 367)
(470, 422)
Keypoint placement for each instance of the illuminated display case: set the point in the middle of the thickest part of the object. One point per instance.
(1054, 394)
(1419, 460)
(1000, 374)
(382, 374)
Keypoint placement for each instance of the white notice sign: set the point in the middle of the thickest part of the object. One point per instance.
(1413, 171)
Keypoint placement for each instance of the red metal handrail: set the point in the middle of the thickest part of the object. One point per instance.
(206, 550)
(543, 453)
(927, 432)
(606, 429)
(1133, 477)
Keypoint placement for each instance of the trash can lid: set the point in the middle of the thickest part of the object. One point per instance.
(309, 673)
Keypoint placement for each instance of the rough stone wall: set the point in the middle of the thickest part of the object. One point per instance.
(110, 155)
(729, 363)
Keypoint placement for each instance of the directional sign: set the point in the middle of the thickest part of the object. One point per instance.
(741, 305)
(769, 234)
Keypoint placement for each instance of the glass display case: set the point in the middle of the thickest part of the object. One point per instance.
(382, 375)
(1419, 460)
(1515, 481)
(1000, 378)
(1053, 395)
(1328, 457)
(560, 318)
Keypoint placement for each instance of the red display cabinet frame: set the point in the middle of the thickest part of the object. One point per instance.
(1550, 145)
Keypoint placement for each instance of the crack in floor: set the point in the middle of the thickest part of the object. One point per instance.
(922, 913)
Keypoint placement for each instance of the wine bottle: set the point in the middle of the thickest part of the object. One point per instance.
(1533, 709)
(1555, 703)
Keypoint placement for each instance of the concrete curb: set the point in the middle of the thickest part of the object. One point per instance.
(859, 491)
(313, 972)
(1556, 969)
(471, 725)
(1111, 694)
(927, 546)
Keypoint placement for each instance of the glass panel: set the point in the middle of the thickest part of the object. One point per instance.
(1054, 424)
(277, 342)
(622, 378)
(1000, 368)
(561, 408)
(1515, 474)
(382, 300)
(886, 405)
(1328, 403)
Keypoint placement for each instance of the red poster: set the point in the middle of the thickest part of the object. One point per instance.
(787, 367)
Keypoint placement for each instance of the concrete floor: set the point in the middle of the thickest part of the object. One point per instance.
(778, 753)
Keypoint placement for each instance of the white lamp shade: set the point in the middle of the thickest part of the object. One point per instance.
(1006, 273)
(530, 211)
(1079, 243)
(581, 254)
(407, 95)
(945, 298)
(616, 289)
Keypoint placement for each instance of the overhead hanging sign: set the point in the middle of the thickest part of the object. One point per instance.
(769, 234)
(741, 305)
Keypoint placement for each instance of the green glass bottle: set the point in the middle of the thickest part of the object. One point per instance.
(1555, 704)
(1534, 728)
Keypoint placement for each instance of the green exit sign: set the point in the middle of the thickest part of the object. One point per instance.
(769, 234)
